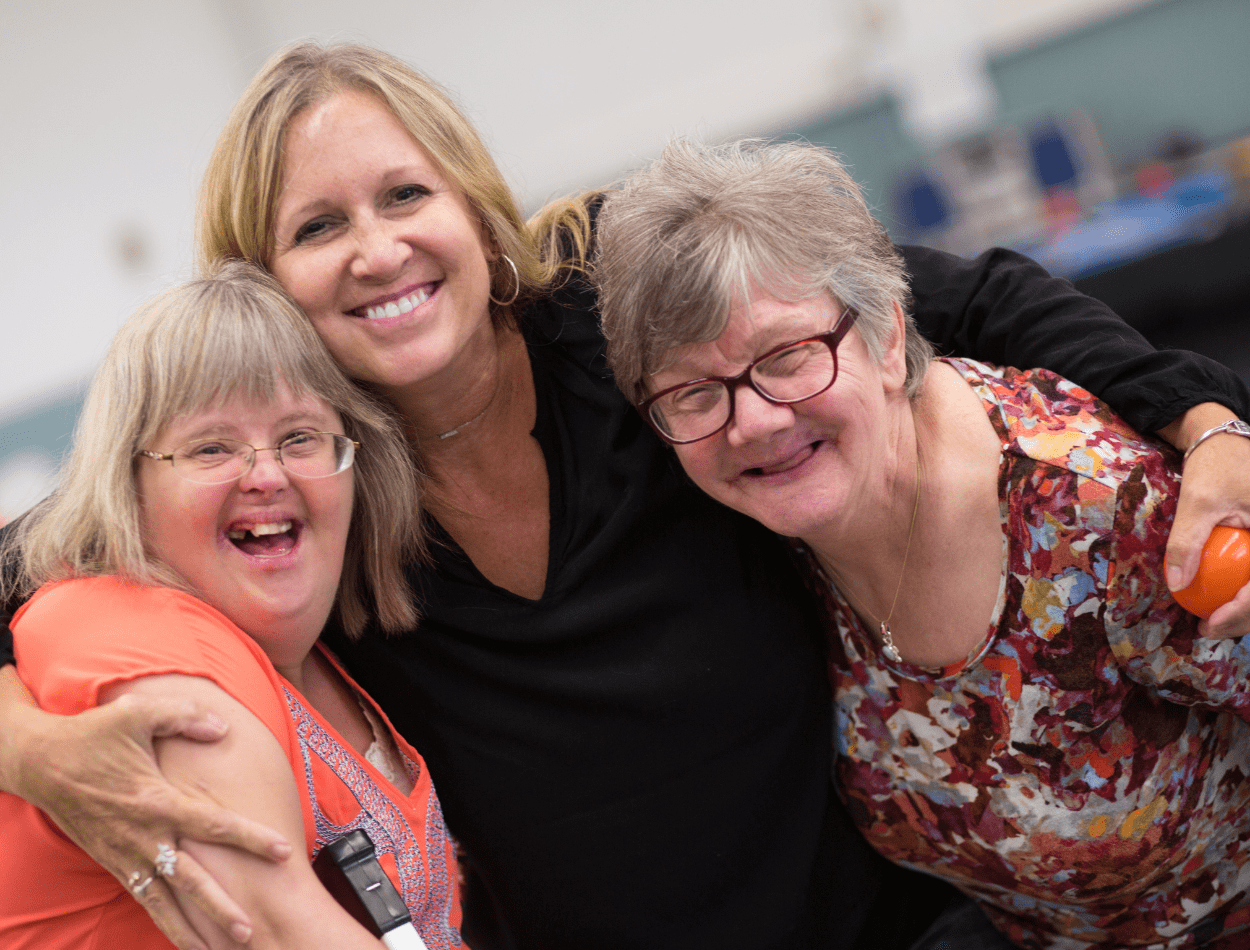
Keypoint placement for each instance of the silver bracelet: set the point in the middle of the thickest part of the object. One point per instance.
(1235, 427)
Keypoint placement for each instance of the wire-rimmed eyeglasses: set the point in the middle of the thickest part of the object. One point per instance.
(216, 461)
(792, 372)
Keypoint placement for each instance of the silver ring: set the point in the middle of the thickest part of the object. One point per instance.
(166, 860)
(137, 883)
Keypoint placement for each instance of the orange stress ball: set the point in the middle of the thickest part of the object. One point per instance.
(1224, 570)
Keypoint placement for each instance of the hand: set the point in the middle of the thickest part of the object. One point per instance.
(95, 775)
(1215, 489)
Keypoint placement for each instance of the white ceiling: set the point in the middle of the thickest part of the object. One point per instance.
(110, 109)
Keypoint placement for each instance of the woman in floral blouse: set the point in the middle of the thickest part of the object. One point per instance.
(1022, 708)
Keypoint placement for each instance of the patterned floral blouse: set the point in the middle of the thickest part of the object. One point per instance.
(1083, 774)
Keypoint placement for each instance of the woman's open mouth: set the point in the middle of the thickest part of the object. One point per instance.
(270, 539)
(781, 466)
(399, 306)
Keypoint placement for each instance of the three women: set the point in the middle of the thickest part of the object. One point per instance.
(617, 682)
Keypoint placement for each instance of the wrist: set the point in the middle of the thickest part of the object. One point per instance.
(1187, 428)
(16, 707)
(1235, 427)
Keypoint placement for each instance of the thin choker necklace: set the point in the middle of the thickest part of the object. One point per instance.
(464, 425)
(887, 638)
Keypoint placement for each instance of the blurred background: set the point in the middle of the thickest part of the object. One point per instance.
(1110, 139)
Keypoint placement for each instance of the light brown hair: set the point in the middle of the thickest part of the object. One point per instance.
(235, 333)
(242, 185)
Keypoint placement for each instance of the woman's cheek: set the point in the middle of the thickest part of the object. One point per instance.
(700, 463)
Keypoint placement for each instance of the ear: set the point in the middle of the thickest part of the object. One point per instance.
(490, 245)
(894, 359)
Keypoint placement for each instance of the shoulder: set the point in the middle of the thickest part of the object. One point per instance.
(566, 322)
(571, 307)
(1084, 488)
(98, 610)
(76, 637)
(110, 595)
(567, 316)
(933, 271)
(1044, 417)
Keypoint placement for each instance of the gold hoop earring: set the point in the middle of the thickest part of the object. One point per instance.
(516, 293)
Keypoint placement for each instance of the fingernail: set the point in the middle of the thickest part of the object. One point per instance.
(215, 721)
(280, 850)
(1174, 578)
(240, 933)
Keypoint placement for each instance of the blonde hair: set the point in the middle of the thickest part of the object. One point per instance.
(239, 196)
(682, 240)
(234, 334)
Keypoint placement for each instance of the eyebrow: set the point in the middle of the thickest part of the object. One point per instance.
(418, 175)
(777, 335)
(228, 430)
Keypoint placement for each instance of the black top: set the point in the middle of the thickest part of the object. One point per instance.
(641, 758)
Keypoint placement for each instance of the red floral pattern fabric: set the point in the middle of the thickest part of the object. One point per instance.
(1084, 773)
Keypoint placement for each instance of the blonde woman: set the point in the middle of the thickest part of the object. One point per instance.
(227, 490)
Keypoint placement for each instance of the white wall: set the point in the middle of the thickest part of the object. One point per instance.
(107, 117)
(110, 108)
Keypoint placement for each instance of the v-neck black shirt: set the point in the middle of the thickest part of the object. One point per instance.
(640, 757)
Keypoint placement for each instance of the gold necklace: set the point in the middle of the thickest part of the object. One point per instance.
(887, 638)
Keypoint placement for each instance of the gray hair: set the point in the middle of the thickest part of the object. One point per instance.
(233, 334)
(679, 242)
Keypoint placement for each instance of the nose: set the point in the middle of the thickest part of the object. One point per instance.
(266, 475)
(380, 252)
(755, 419)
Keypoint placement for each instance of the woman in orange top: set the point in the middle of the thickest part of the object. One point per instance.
(212, 514)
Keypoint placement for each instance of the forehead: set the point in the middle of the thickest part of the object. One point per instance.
(764, 316)
(240, 412)
(755, 325)
(349, 135)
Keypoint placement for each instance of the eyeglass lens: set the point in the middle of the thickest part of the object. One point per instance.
(308, 454)
(791, 374)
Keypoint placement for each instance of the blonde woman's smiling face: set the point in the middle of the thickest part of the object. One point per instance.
(266, 550)
(385, 256)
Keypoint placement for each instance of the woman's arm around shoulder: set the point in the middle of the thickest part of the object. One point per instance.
(95, 775)
(1003, 308)
(247, 771)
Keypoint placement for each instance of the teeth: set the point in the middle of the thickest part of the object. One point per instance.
(238, 534)
(395, 307)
